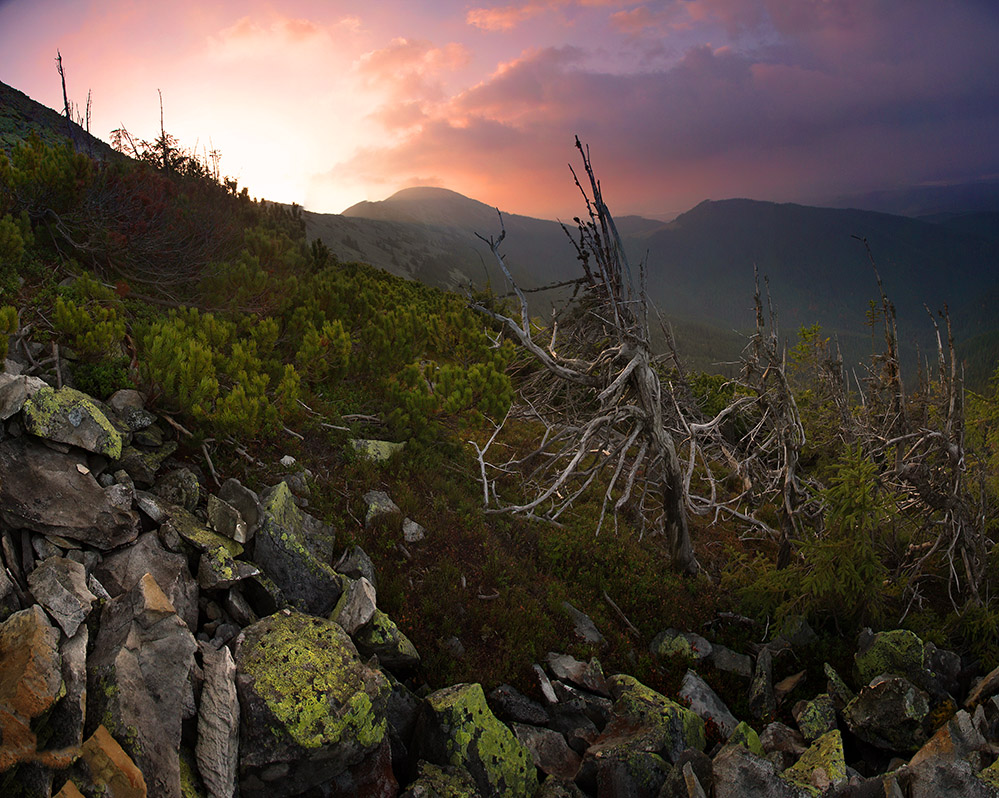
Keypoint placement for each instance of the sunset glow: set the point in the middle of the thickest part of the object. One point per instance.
(330, 103)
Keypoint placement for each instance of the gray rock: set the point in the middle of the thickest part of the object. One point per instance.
(741, 774)
(943, 776)
(294, 550)
(181, 487)
(142, 465)
(226, 520)
(217, 749)
(138, 681)
(412, 532)
(121, 570)
(595, 707)
(725, 659)
(71, 417)
(310, 708)
(838, 690)
(129, 406)
(356, 607)
(65, 723)
(585, 629)
(547, 691)
(889, 714)
(374, 450)
(691, 777)
(381, 509)
(60, 586)
(218, 569)
(15, 391)
(699, 696)
(549, 750)
(433, 781)
(246, 502)
(779, 737)
(511, 705)
(55, 494)
(554, 787)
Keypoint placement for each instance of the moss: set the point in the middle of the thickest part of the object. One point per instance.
(306, 671)
(822, 765)
(41, 408)
(477, 741)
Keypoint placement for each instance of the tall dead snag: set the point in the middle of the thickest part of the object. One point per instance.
(599, 395)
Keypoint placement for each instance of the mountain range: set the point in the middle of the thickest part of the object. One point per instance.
(701, 264)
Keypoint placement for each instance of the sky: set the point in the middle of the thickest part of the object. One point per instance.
(327, 103)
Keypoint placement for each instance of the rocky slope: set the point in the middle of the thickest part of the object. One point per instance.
(161, 639)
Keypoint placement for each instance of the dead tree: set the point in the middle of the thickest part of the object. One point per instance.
(599, 395)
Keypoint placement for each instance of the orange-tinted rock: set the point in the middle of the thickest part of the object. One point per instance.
(110, 768)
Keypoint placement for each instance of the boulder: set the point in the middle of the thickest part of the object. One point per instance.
(295, 551)
(374, 450)
(762, 702)
(138, 681)
(725, 659)
(699, 696)
(746, 736)
(129, 405)
(673, 643)
(143, 464)
(310, 708)
(121, 570)
(739, 773)
(382, 638)
(55, 494)
(889, 714)
(456, 727)
(412, 532)
(69, 416)
(60, 586)
(356, 564)
(226, 520)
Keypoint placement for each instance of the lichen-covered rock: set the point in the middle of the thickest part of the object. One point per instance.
(901, 653)
(69, 416)
(762, 702)
(433, 781)
(142, 465)
(673, 643)
(513, 706)
(746, 736)
(456, 727)
(376, 451)
(889, 714)
(180, 487)
(218, 569)
(60, 586)
(55, 494)
(622, 771)
(381, 637)
(837, 689)
(310, 707)
(669, 727)
(138, 681)
(821, 767)
(816, 717)
(295, 550)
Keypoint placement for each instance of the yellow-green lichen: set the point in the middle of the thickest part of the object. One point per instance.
(477, 741)
(821, 766)
(40, 410)
(280, 505)
(676, 726)
(746, 736)
(306, 671)
(898, 652)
